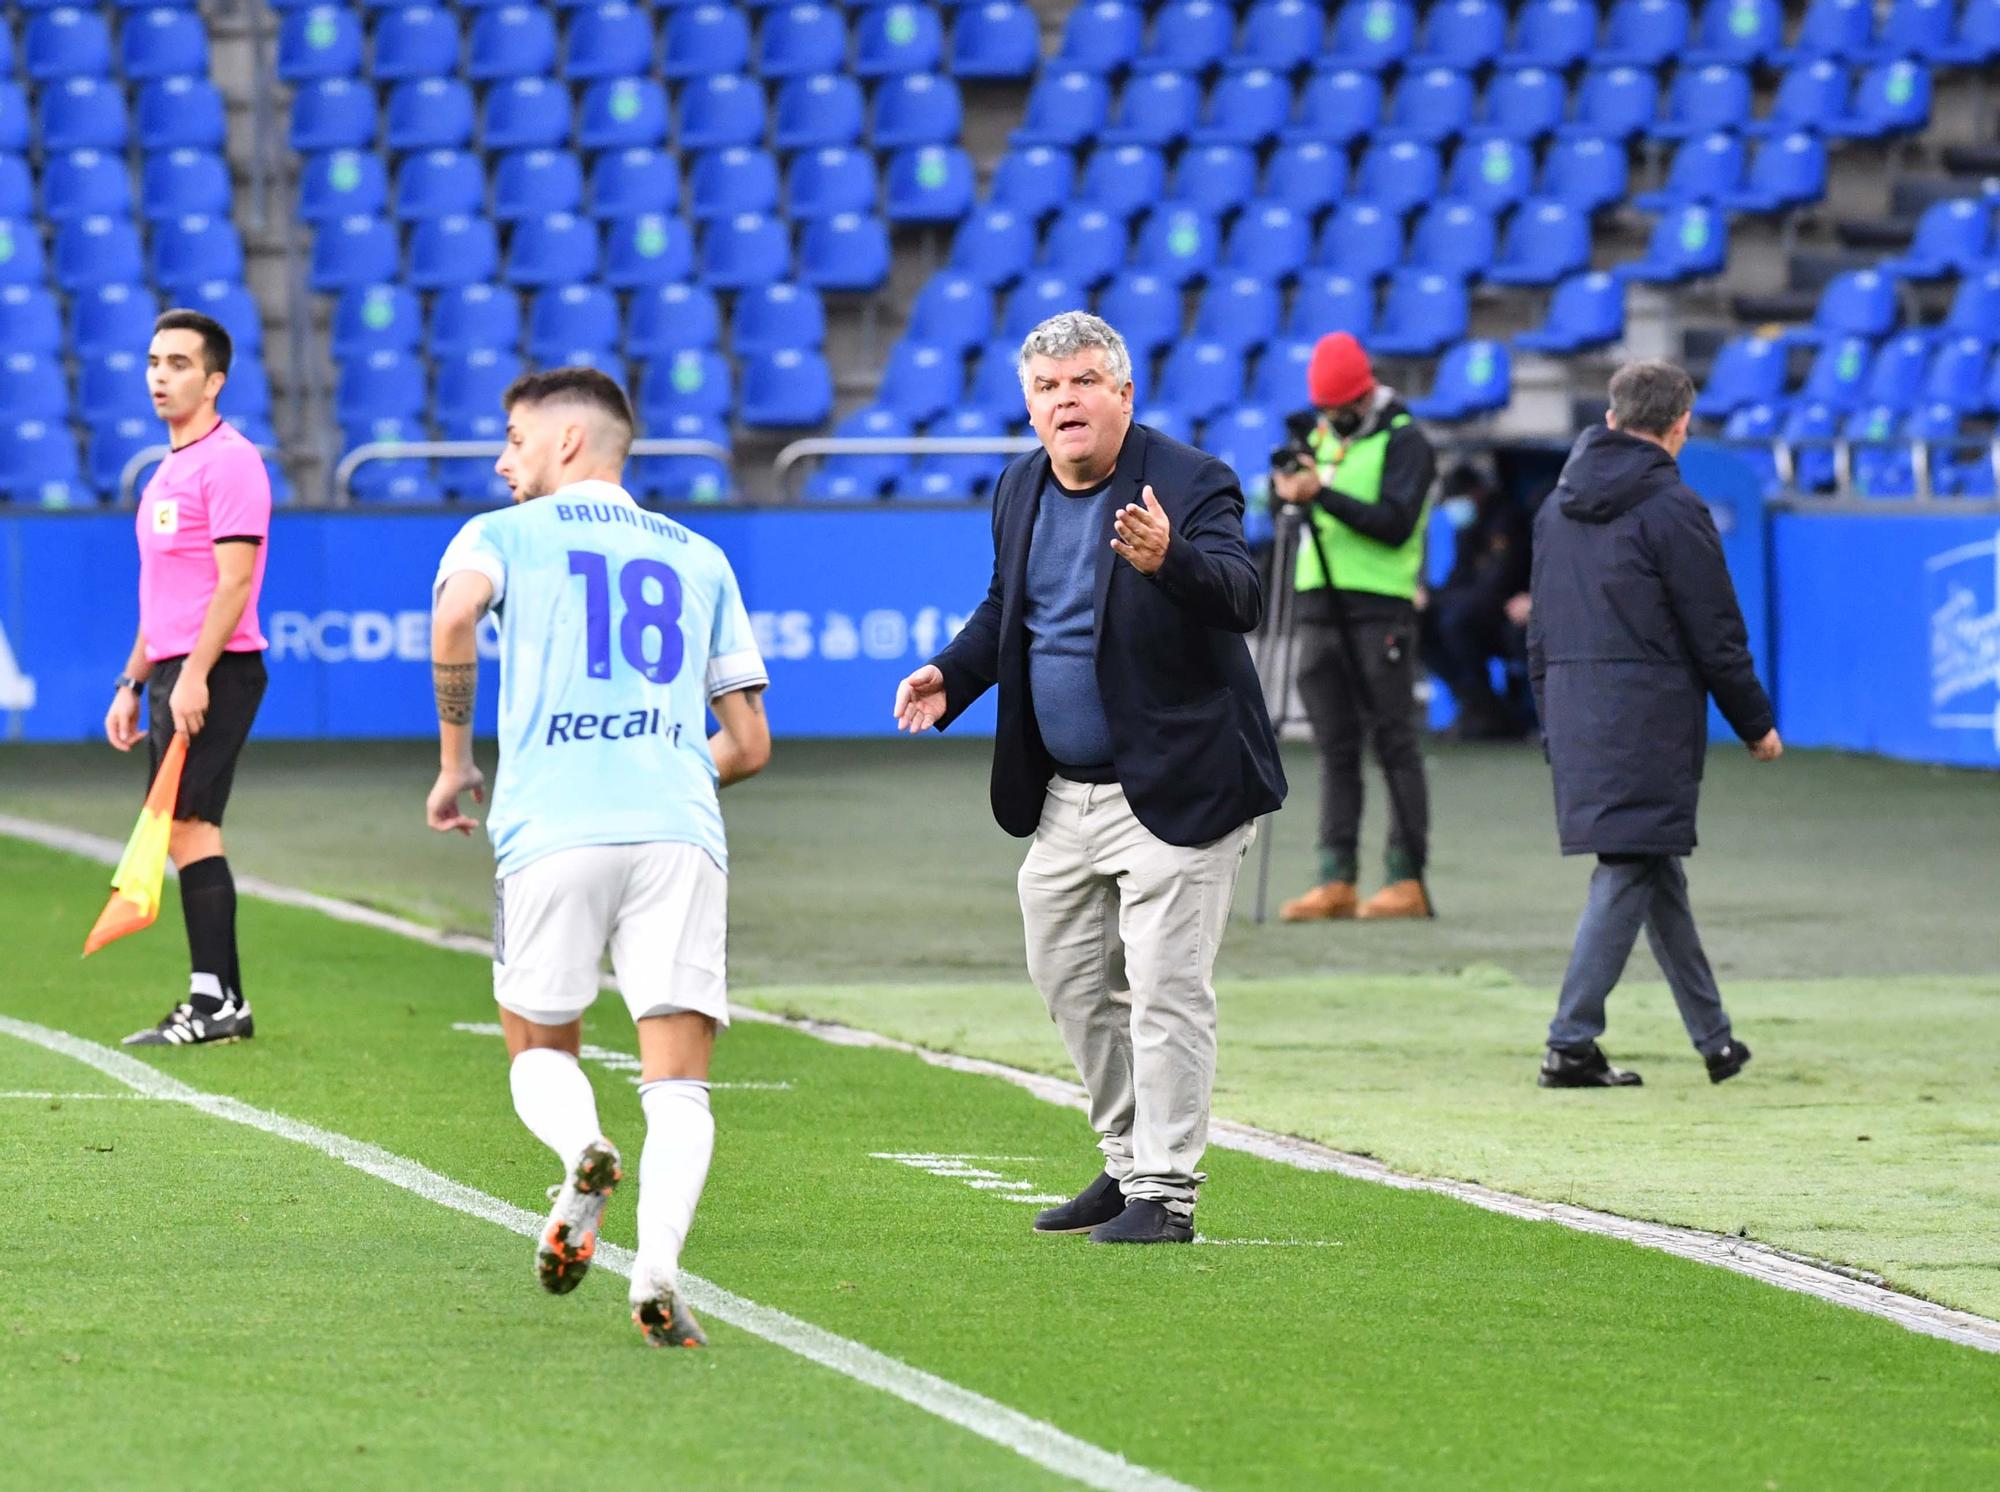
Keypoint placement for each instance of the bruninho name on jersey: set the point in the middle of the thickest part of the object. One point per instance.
(566, 725)
(628, 514)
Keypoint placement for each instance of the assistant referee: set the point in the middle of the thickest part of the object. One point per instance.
(199, 655)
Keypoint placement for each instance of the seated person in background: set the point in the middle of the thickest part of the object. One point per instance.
(1480, 612)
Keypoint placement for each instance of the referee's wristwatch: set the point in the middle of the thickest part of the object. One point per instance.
(126, 681)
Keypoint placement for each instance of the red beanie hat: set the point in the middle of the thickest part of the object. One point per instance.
(1339, 372)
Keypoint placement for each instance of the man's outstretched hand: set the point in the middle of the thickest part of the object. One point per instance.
(920, 700)
(1142, 534)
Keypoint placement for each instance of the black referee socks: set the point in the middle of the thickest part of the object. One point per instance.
(208, 902)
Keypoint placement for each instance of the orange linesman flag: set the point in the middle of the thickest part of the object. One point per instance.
(142, 870)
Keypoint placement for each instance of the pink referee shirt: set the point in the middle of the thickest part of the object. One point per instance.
(213, 488)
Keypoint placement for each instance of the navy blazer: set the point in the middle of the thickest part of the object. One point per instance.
(1190, 738)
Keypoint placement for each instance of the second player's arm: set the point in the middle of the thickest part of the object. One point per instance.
(235, 573)
(461, 602)
(741, 746)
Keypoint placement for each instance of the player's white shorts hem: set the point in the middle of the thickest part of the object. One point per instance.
(662, 909)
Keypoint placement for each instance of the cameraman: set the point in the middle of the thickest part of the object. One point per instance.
(1360, 471)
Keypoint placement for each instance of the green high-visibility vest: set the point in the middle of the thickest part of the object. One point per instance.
(1359, 562)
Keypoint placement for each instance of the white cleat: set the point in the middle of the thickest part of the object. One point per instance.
(661, 1315)
(562, 1258)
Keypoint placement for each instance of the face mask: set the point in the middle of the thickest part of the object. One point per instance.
(1459, 511)
(1345, 422)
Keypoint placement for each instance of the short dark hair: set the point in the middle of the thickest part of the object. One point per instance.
(216, 349)
(1648, 398)
(586, 386)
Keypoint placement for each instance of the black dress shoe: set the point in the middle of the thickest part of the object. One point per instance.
(1725, 1064)
(1583, 1067)
(1097, 1203)
(1146, 1221)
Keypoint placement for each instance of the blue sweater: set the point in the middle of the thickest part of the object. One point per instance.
(1062, 666)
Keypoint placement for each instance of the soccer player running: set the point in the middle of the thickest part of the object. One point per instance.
(199, 655)
(618, 629)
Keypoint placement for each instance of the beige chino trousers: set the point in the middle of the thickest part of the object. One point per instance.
(1122, 932)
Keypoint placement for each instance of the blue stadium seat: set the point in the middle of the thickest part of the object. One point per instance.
(79, 114)
(1173, 423)
(434, 114)
(330, 114)
(1463, 35)
(453, 251)
(101, 317)
(184, 183)
(351, 251)
(824, 109)
(1329, 301)
(418, 41)
(1585, 311)
(533, 183)
(1838, 374)
(1892, 98)
(1221, 178)
(736, 253)
(30, 320)
(1953, 237)
(1400, 175)
(1975, 306)
(1614, 102)
(186, 113)
(1748, 370)
(735, 180)
(780, 314)
(42, 468)
(467, 317)
(1738, 32)
(1271, 239)
(797, 41)
(670, 318)
(1473, 378)
(17, 187)
(1280, 380)
(619, 113)
(389, 384)
(1860, 303)
(638, 179)
(1587, 171)
(851, 478)
(1714, 97)
(1688, 243)
(1178, 243)
(440, 184)
(1087, 246)
(1896, 372)
(948, 478)
(1373, 34)
(1547, 240)
(849, 251)
(1839, 29)
(952, 311)
(687, 479)
(993, 246)
(899, 38)
(81, 183)
(1033, 180)
(1454, 237)
(1808, 96)
(471, 478)
(472, 382)
(1155, 108)
(323, 42)
(999, 39)
(650, 248)
(511, 41)
(1338, 107)
(1526, 103)
(1494, 173)
(88, 251)
(1146, 310)
(1429, 107)
(1190, 36)
(920, 382)
(248, 400)
(1067, 107)
(704, 41)
(1788, 171)
(1421, 315)
(930, 184)
(1102, 36)
(1361, 239)
(113, 445)
(916, 109)
(562, 317)
(689, 382)
(21, 260)
(1243, 439)
(1957, 375)
(1281, 34)
(1201, 378)
(112, 386)
(1644, 33)
(604, 39)
(1976, 40)
(1553, 34)
(1037, 298)
(163, 43)
(1310, 174)
(376, 318)
(189, 250)
(1240, 312)
(1706, 168)
(1913, 29)
(1123, 180)
(1247, 107)
(342, 184)
(33, 387)
(403, 482)
(831, 180)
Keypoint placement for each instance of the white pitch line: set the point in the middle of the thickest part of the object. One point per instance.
(1034, 1440)
(1834, 1283)
(69, 1097)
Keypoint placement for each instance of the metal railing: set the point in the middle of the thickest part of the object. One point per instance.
(424, 450)
(145, 456)
(1923, 463)
(788, 459)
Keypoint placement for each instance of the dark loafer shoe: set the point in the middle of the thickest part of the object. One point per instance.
(1583, 1067)
(1097, 1203)
(1725, 1064)
(1146, 1221)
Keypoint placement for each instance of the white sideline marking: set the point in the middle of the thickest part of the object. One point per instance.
(1032, 1439)
(1834, 1283)
(617, 1061)
(67, 1097)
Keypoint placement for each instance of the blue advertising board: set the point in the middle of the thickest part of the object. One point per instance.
(844, 602)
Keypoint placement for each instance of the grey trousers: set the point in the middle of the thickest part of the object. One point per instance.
(1626, 893)
(1122, 932)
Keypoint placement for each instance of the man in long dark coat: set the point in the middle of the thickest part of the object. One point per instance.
(1634, 624)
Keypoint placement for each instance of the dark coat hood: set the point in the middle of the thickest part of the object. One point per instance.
(1609, 473)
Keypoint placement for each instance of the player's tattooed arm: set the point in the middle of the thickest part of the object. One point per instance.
(742, 747)
(456, 686)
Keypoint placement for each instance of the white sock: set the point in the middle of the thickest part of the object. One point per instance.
(554, 1100)
(673, 1168)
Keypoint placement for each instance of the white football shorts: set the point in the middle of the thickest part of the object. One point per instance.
(662, 908)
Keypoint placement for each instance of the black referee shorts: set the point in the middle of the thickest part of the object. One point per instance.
(235, 688)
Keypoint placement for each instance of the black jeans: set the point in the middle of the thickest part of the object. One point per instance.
(1386, 649)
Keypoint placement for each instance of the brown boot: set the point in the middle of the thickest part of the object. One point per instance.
(1326, 903)
(1397, 899)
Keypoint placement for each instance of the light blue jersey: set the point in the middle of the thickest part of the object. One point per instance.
(617, 627)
